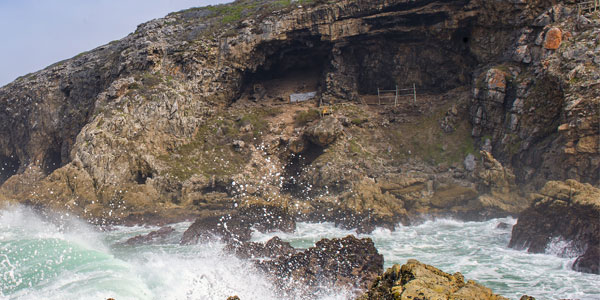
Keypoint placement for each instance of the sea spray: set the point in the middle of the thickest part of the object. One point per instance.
(476, 249)
(64, 258)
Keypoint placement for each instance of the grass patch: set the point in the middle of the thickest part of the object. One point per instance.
(426, 140)
(306, 116)
(211, 152)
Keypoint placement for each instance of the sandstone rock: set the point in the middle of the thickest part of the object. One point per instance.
(588, 144)
(325, 131)
(553, 38)
(415, 280)
(452, 196)
(567, 210)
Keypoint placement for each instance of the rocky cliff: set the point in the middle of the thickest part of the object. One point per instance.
(189, 113)
(565, 219)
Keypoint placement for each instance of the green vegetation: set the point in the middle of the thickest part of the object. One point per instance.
(211, 151)
(304, 117)
(425, 139)
(232, 12)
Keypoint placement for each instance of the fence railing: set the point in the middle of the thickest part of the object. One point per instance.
(394, 94)
(589, 6)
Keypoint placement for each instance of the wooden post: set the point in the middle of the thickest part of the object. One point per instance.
(396, 98)
(378, 96)
(414, 94)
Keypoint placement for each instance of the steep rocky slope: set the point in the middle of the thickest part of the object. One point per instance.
(189, 113)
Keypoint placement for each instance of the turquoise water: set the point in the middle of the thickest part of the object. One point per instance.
(64, 258)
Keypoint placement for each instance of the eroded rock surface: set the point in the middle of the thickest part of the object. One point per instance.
(345, 263)
(415, 280)
(188, 115)
(562, 211)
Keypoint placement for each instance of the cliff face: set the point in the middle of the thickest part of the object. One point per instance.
(188, 113)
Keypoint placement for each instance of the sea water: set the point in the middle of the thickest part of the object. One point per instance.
(61, 257)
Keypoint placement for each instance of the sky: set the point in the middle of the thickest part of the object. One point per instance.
(37, 33)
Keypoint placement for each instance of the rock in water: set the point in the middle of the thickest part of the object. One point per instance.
(348, 262)
(273, 249)
(235, 225)
(416, 280)
(566, 210)
(154, 236)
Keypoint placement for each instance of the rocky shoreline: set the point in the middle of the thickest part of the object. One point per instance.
(190, 118)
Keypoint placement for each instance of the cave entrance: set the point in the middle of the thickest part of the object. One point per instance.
(294, 185)
(290, 67)
(52, 160)
(9, 166)
(431, 65)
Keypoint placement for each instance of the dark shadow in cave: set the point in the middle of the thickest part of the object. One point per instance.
(294, 169)
(296, 65)
(9, 166)
(52, 160)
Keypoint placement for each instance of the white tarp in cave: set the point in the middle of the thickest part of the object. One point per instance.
(300, 97)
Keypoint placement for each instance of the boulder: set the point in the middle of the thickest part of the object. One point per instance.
(325, 131)
(236, 225)
(152, 237)
(272, 249)
(589, 262)
(416, 280)
(566, 210)
(347, 262)
(553, 38)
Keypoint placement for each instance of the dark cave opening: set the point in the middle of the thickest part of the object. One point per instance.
(431, 65)
(296, 167)
(9, 166)
(141, 176)
(52, 160)
(293, 66)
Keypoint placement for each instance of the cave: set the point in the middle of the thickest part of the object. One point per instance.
(52, 160)
(296, 166)
(141, 176)
(292, 66)
(9, 166)
(433, 66)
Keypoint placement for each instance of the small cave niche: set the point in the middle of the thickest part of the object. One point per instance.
(142, 172)
(296, 166)
(141, 176)
(52, 160)
(294, 66)
(9, 166)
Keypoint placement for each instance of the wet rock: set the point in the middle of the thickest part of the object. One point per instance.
(236, 225)
(503, 225)
(273, 248)
(153, 237)
(566, 210)
(415, 280)
(348, 262)
(589, 262)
